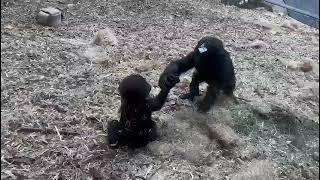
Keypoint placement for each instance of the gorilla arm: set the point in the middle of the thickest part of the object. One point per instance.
(175, 69)
(156, 103)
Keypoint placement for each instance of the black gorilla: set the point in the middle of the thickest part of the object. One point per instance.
(213, 65)
(136, 128)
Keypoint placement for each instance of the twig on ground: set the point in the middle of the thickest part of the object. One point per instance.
(58, 133)
(46, 131)
(140, 177)
(243, 99)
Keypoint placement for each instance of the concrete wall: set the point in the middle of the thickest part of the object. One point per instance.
(311, 6)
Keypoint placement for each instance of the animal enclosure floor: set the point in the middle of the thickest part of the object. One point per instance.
(56, 78)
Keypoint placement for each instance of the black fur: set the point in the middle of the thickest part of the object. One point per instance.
(135, 128)
(214, 66)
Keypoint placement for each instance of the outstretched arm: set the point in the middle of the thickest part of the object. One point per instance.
(180, 66)
(186, 63)
(172, 72)
(156, 103)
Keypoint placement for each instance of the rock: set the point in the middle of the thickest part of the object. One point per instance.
(105, 37)
(70, 5)
(49, 16)
(257, 44)
(293, 65)
(143, 68)
(98, 55)
(266, 25)
(290, 26)
(306, 67)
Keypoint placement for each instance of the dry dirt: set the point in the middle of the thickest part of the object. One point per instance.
(56, 78)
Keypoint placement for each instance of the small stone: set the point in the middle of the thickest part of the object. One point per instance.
(172, 102)
(70, 5)
(49, 16)
(272, 141)
(142, 68)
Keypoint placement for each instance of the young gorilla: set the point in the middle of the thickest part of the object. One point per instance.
(213, 65)
(136, 128)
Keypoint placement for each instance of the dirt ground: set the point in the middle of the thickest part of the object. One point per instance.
(56, 78)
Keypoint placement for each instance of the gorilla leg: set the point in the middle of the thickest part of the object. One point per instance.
(228, 90)
(114, 137)
(193, 88)
(209, 99)
(229, 87)
(145, 135)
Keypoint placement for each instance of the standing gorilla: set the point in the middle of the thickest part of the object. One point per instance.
(213, 65)
(136, 128)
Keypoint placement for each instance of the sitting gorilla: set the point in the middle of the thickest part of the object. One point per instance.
(213, 65)
(136, 128)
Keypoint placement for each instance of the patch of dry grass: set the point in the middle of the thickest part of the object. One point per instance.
(56, 78)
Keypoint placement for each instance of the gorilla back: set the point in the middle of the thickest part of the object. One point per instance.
(214, 65)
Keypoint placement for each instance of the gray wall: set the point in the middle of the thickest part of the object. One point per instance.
(311, 6)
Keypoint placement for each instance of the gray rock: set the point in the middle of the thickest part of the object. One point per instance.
(49, 16)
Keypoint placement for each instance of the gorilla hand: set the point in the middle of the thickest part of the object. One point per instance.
(170, 77)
